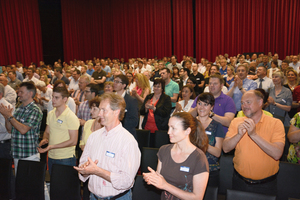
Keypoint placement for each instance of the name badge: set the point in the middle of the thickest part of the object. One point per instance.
(283, 100)
(59, 121)
(22, 120)
(208, 132)
(184, 169)
(110, 154)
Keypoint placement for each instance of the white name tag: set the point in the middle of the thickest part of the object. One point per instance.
(184, 169)
(59, 121)
(110, 154)
(283, 100)
(208, 132)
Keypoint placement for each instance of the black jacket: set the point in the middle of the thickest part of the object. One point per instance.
(162, 112)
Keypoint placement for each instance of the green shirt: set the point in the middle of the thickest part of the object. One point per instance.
(294, 150)
(23, 146)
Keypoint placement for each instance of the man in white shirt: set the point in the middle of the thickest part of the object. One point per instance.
(30, 77)
(112, 164)
(263, 81)
(295, 64)
(146, 66)
(10, 94)
(74, 81)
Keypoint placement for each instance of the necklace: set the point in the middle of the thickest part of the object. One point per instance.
(292, 86)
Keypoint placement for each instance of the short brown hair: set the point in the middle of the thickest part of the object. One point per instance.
(116, 102)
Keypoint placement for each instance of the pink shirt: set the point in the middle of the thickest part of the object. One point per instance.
(117, 151)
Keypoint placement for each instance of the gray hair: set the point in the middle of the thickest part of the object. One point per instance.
(2, 89)
(87, 78)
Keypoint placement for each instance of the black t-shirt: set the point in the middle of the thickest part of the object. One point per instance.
(199, 78)
(98, 76)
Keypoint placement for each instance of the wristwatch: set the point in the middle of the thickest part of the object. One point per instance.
(211, 114)
(10, 118)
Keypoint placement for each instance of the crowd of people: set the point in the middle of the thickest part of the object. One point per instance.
(239, 103)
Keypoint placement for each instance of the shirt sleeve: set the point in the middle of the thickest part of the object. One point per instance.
(124, 178)
(194, 103)
(230, 106)
(278, 132)
(34, 118)
(220, 132)
(253, 85)
(73, 122)
(289, 98)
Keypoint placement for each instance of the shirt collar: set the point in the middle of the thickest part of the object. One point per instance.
(112, 131)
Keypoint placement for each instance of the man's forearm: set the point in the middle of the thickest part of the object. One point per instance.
(22, 128)
(274, 150)
(230, 143)
(103, 174)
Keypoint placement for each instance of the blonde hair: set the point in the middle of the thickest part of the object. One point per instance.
(232, 69)
(280, 74)
(143, 81)
(296, 74)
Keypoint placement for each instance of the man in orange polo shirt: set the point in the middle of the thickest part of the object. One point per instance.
(258, 141)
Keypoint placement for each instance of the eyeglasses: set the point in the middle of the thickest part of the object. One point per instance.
(116, 81)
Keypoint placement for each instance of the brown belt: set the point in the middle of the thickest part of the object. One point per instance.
(254, 182)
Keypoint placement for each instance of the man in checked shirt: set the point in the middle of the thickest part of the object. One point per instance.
(24, 125)
(111, 157)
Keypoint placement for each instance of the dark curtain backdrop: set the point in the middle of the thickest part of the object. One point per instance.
(234, 26)
(20, 35)
(183, 30)
(118, 28)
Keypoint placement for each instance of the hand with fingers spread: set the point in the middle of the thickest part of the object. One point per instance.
(6, 111)
(155, 178)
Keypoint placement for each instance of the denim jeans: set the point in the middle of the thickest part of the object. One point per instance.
(66, 161)
(127, 196)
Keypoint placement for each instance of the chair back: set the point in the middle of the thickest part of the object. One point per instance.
(211, 193)
(64, 183)
(226, 171)
(149, 158)
(143, 191)
(5, 178)
(30, 180)
(143, 138)
(288, 181)
(235, 194)
(161, 138)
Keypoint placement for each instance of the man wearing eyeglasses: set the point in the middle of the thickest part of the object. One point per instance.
(131, 118)
(83, 112)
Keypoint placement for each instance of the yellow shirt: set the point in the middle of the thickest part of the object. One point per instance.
(241, 114)
(59, 132)
(249, 159)
(86, 131)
